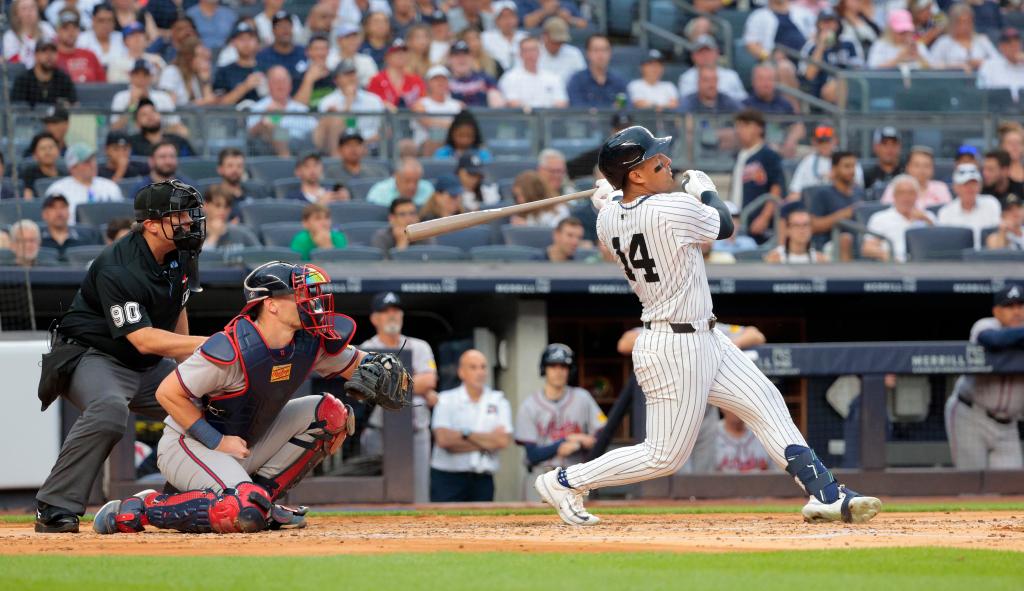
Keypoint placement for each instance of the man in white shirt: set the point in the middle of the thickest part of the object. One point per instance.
(348, 98)
(140, 86)
(349, 38)
(556, 55)
(526, 86)
(83, 185)
(894, 222)
(502, 42)
(970, 209)
(472, 424)
(1005, 70)
(265, 25)
(816, 167)
(278, 130)
(650, 91)
(102, 39)
(706, 55)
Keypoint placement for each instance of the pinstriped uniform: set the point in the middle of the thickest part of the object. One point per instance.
(679, 373)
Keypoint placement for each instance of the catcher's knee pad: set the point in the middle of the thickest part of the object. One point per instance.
(812, 475)
(243, 509)
(333, 421)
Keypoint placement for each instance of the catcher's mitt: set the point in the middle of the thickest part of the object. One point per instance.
(381, 379)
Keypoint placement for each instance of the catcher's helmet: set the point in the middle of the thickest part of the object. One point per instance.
(626, 149)
(174, 199)
(556, 354)
(306, 282)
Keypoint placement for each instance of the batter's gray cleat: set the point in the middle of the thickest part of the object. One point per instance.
(104, 522)
(850, 507)
(567, 501)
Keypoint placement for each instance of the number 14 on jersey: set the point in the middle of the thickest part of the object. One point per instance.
(639, 258)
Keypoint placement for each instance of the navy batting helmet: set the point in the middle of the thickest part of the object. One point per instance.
(627, 149)
(557, 354)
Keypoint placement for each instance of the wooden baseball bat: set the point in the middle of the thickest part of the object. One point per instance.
(454, 223)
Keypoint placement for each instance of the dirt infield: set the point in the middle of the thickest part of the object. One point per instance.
(356, 534)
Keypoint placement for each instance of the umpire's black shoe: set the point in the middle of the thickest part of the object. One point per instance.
(55, 520)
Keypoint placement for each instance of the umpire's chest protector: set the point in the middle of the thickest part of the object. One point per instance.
(271, 377)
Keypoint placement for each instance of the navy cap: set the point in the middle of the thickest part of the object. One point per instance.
(459, 46)
(242, 29)
(448, 184)
(471, 163)
(886, 133)
(1009, 295)
(280, 15)
(435, 18)
(384, 300)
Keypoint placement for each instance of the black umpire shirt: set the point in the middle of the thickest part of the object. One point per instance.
(125, 290)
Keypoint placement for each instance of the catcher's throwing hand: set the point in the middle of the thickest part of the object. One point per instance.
(696, 182)
(381, 379)
(603, 195)
(234, 447)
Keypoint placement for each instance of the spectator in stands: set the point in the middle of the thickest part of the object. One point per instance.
(437, 108)
(117, 229)
(796, 247)
(417, 40)
(758, 170)
(276, 131)
(444, 201)
(128, 14)
(56, 122)
(816, 167)
(970, 209)
(106, 43)
(45, 162)
(996, 174)
(167, 46)
(857, 24)
(7, 188)
(394, 85)
(468, 14)
(213, 22)
(264, 22)
(348, 97)
(705, 54)
(220, 232)
(44, 83)
(163, 166)
(778, 24)
(565, 240)
(482, 61)
(57, 234)
(401, 213)
(1005, 70)
(349, 38)
(921, 166)
(738, 241)
(310, 171)
(707, 99)
(833, 203)
(464, 137)
(528, 87)
(377, 40)
(83, 185)
(502, 42)
(737, 449)
(649, 91)
(556, 55)
(475, 193)
(189, 78)
(472, 424)
(537, 12)
(317, 81)
(151, 133)
(886, 146)
(231, 170)
(899, 48)
(241, 80)
(316, 219)
(119, 164)
(828, 47)
(927, 19)
(553, 171)
(766, 98)
(351, 152)
(140, 88)
(25, 32)
(407, 182)
(403, 17)
(441, 37)
(961, 48)
(1010, 233)
(966, 154)
(597, 86)
(120, 66)
(25, 242)
(1011, 139)
(283, 51)
(529, 187)
(471, 87)
(893, 222)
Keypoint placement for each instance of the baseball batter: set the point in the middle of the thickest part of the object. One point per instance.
(681, 362)
(235, 441)
(556, 424)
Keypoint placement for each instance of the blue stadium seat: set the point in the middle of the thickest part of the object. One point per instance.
(346, 212)
(508, 169)
(270, 168)
(280, 233)
(863, 211)
(426, 253)
(98, 95)
(346, 255)
(360, 188)
(197, 167)
(504, 252)
(101, 212)
(7, 257)
(986, 232)
(81, 256)
(435, 168)
(742, 61)
(626, 59)
(360, 232)
(1001, 255)
(532, 236)
(283, 186)
(12, 210)
(466, 239)
(42, 184)
(255, 213)
(939, 243)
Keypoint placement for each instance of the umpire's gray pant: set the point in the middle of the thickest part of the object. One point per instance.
(106, 392)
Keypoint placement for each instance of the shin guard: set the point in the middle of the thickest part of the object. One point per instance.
(808, 471)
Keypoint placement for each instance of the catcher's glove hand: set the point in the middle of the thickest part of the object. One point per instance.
(381, 379)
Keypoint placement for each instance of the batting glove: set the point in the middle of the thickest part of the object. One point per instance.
(696, 183)
(603, 195)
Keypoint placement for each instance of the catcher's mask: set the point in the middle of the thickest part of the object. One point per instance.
(307, 283)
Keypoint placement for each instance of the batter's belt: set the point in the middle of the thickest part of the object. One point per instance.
(680, 328)
(967, 401)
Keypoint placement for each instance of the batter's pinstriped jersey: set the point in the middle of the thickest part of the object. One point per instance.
(542, 422)
(1001, 395)
(656, 240)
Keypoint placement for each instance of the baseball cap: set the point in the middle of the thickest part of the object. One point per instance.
(345, 30)
(967, 150)
(966, 173)
(51, 199)
(350, 134)
(885, 133)
(346, 66)
(55, 114)
(448, 184)
(437, 71)
(900, 21)
(1009, 34)
(471, 163)
(384, 300)
(705, 42)
(242, 29)
(45, 44)
(77, 154)
(280, 15)
(117, 138)
(824, 132)
(397, 45)
(459, 47)
(654, 56)
(498, 7)
(1009, 295)
(133, 28)
(434, 18)
(69, 16)
(556, 29)
(142, 65)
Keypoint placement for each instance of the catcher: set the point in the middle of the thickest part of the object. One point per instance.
(234, 440)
